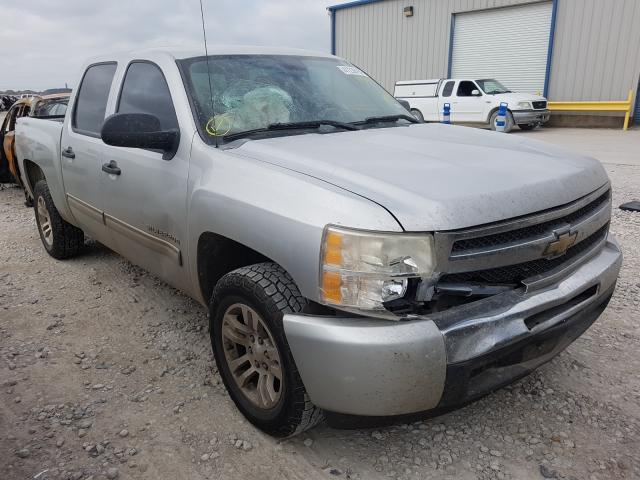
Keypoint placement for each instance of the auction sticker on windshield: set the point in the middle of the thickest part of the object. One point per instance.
(348, 70)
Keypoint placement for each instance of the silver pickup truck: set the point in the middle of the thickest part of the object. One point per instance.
(353, 260)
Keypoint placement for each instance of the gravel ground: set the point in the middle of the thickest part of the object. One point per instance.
(106, 372)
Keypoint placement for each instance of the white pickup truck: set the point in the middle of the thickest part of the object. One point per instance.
(471, 101)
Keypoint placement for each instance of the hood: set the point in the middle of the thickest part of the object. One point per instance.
(514, 97)
(438, 177)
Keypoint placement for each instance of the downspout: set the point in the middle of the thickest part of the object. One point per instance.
(547, 75)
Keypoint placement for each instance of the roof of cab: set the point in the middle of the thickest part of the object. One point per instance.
(179, 53)
(53, 96)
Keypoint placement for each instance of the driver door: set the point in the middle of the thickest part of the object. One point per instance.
(467, 107)
(145, 208)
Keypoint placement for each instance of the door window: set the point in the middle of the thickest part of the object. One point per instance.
(91, 103)
(466, 87)
(448, 88)
(145, 90)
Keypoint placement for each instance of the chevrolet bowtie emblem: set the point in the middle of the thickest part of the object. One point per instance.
(561, 244)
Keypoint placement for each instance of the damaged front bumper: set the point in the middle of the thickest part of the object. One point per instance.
(372, 367)
(531, 117)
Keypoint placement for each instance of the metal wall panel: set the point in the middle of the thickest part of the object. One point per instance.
(595, 53)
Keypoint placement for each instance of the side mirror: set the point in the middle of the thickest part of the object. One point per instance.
(405, 104)
(475, 93)
(140, 130)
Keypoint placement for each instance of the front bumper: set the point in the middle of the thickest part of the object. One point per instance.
(373, 367)
(531, 117)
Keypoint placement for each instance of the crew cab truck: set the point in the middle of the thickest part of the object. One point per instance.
(472, 102)
(353, 260)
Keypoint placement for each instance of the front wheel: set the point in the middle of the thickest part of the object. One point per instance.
(508, 124)
(251, 350)
(418, 114)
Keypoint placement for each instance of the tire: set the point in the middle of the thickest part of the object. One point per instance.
(418, 114)
(28, 201)
(508, 123)
(60, 239)
(526, 127)
(265, 290)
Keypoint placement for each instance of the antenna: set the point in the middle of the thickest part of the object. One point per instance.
(206, 53)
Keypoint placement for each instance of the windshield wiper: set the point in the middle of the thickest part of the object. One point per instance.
(388, 118)
(313, 124)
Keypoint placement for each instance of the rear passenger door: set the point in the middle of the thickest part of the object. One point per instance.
(82, 149)
(145, 203)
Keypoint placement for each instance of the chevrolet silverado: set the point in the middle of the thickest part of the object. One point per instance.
(353, 260)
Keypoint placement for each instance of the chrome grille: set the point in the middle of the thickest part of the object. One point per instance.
(531, 231)
(539, 105)
(518, 249)
(513, 274)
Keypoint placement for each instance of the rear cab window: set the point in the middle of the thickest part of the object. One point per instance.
(448, 88)
(91, 101)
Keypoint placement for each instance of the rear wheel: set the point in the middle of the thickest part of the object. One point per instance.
(526, 127)
(418, 114)
(251, 350)
(508, 125)
(60, 239)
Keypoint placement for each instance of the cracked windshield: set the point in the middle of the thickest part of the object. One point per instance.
(253, 92)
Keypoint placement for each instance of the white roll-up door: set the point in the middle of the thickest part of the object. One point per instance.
(509, 44)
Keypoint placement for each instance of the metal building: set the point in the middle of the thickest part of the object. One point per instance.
(568, 50)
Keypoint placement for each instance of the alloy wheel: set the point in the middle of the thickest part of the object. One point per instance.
(44, 221)
(252, 356)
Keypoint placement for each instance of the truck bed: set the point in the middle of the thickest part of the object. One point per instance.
(38, 140)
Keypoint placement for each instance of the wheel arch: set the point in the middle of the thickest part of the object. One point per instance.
(414, 109)
(494, 110)
(218, 255)
(32, 173)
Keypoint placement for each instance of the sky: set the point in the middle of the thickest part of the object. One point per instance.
(44, 42)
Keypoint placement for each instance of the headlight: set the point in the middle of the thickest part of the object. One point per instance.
(362, 270)
(525, 105)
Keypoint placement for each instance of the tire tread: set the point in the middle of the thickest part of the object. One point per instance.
(279, 294)
(68, 239)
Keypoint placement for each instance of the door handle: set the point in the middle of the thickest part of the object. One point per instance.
(111, 168)
(68, 152)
